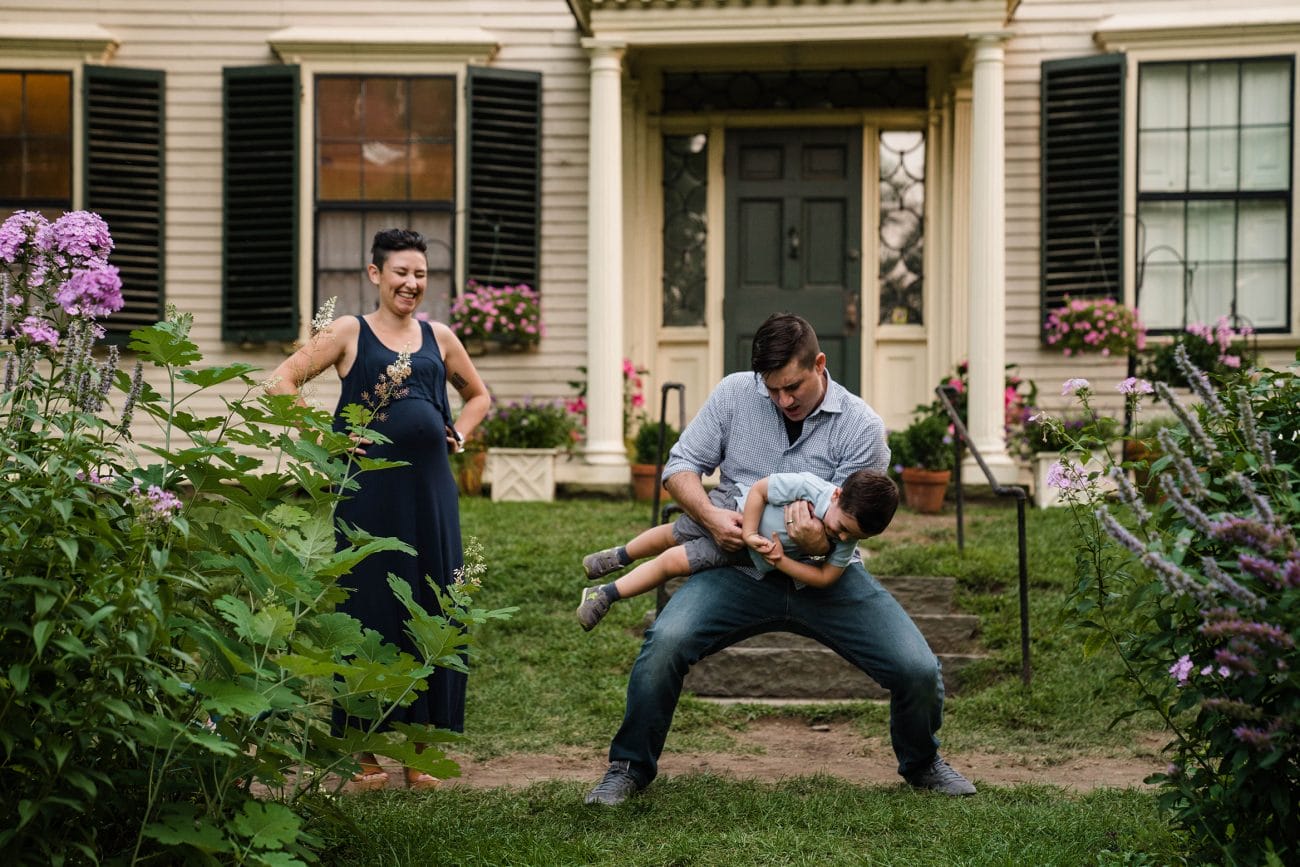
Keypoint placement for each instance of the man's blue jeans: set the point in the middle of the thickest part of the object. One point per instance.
(855, 617)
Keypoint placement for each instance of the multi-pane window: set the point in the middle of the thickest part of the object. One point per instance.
(385, 158)
(1214, 192)
(36, 141)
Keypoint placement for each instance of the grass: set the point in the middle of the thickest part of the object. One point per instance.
(540, 684)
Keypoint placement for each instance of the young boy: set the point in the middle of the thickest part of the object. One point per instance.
(862, 508)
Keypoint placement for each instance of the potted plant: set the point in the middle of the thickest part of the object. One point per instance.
(1094, 325)
(1219, 350)
(508, 317)
(1082, 437)
(922, 458)
(522, 440)
(647, 460)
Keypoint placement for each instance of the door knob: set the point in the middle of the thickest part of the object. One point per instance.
(793, 237)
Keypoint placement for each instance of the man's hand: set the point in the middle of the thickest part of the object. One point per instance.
(805, 529)
(726, 528)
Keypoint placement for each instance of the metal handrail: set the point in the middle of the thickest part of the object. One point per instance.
(656, 518)
(1014, 491)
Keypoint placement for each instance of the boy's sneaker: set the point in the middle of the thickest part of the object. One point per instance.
(615, 787)
(595, 605)
(941, 778)
(601, 563)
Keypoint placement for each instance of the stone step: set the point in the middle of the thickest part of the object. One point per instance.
(920, 594)
(812, 672)
(945, 633)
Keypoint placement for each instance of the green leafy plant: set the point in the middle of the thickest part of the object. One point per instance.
(169, 642)
(1068, 431)
(924, 444)
(529, 424)
(1219, 350)
(1199, 595)
(506, 315)
(645, 445)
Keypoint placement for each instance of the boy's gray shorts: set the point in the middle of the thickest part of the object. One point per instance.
(701, 551)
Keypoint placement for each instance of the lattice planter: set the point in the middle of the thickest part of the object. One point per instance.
(522, 474)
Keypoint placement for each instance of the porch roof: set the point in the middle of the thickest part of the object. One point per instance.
(733, 22)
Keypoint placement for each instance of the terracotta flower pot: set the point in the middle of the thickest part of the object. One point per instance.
(643, 483)
(924, 490)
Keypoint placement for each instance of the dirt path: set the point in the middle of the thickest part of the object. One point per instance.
(775, 749)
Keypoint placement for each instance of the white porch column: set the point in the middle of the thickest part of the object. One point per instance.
(987, 315)
(605, 449)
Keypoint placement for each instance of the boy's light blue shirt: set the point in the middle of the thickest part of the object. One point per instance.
(785, 488)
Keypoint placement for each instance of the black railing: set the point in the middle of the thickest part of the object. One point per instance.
(656, 517)
(1014, 491)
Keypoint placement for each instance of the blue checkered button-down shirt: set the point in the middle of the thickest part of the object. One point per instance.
(740, 431)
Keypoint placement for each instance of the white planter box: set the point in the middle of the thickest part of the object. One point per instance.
(522, 474)
(1046, 496)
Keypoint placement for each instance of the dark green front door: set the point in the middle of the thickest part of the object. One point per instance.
(794, 226)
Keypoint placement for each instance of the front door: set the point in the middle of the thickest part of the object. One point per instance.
(794, 228)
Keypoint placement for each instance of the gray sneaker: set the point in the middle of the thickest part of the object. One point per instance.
(615, 787)
(941, 778)
(601, 563)
(595, 605)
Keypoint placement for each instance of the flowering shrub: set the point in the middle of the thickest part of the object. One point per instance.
(1200, 595)
(924, 444)
(1101, 325)
(633, 402)
(1218, 350)
(529, 424)
(1019, 394)
(169, 639)
(506, 315)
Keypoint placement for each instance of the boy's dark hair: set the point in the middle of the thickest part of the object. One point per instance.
(870, 498)
(389, 241)
(781, 338)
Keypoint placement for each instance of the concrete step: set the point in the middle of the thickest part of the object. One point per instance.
(945, 633)
(921, 594)
(812, 672)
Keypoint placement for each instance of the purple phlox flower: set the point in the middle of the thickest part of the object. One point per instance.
(1181, 669)
(1190, 422)
(1076, 385)
(1065, 476)
(17, 231)
(95, 292)
(155, 505)
(1185, 507)
(1257, 738)
(1129, 494)
(1134, 385)
(93, 477)
(1221, 671)
(1237, 530)
(1225, 583)
(1188, 477)
(39, 330)
(79, 235)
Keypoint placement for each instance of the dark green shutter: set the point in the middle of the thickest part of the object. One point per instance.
(505, 169)
(1082, 178)
(124, 182)
(259, 255)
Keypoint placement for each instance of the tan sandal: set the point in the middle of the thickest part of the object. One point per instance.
(420, 780)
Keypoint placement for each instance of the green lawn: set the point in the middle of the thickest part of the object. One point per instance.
(540, 683)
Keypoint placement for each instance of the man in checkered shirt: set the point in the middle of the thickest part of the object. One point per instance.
(786, 416)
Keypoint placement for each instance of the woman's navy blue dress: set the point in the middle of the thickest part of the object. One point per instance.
(416, 503)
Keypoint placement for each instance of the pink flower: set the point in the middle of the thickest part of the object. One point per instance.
(92, 293)
(1075, 385)
(1180, 670)
(1133, 385)
(39, 330)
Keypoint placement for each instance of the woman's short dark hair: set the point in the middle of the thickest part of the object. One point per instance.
(389, 241)
(782, 338)
(871, 498)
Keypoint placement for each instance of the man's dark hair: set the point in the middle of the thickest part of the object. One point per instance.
(389, 241)
(871, 498)
(782, 338)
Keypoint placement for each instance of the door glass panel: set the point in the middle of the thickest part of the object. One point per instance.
(686, 230)
(902, 227)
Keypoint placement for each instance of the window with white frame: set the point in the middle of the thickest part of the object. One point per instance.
(1214, 192)
(385, 158)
